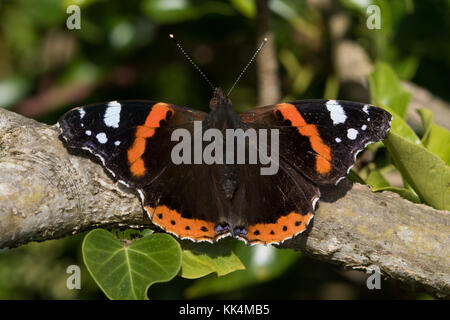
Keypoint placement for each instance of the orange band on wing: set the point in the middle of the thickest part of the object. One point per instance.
(284, 228)
(138, 167)
(137, 150)
(289, 112)
(171, 221)
(144, 132)
(158, 112)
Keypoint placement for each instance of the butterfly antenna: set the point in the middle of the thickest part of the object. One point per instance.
(248, 64)
(190, 60)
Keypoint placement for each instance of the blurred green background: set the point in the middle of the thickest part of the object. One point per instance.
(324, 49)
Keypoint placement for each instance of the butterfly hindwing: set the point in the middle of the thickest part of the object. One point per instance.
(275, 207)
(188, 202)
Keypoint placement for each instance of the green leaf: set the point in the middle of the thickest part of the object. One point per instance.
(379, 183)
(423, 170)
(201, 259)
(386, 90)
(436, 138)
(126, 271)
(262, 264)
(376, 180)
(400, 127)
(246, 7)
(427, 121)
(354, 177)
(402, 192)
(406, 68)
(172, 11)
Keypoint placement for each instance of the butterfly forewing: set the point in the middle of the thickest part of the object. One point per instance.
(119, 133)
(321, 138)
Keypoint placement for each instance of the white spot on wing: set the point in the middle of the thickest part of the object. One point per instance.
(82, 113)
(101, 137)
(364, 127)
(88, 132)
(338, 140)
(337, 113)
(117, 143)
(352, 133)
(112, 114)
(366, 108)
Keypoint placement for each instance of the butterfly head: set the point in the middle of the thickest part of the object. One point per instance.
(219, 99)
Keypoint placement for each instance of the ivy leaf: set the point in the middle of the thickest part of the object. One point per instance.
(126, 271)
(201, 259)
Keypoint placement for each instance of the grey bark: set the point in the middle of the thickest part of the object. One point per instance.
(47, 193)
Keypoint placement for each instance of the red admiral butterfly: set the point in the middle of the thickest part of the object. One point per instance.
(318, 144)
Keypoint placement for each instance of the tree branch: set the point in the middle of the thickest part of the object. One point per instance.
(47, 193)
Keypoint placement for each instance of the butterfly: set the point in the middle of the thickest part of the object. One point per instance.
(317, 144)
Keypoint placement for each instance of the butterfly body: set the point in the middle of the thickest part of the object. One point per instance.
(317, 143)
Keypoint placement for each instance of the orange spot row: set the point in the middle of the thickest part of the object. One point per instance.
(323, 157)
(172, 221)
(158, 112)
(285, 228)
